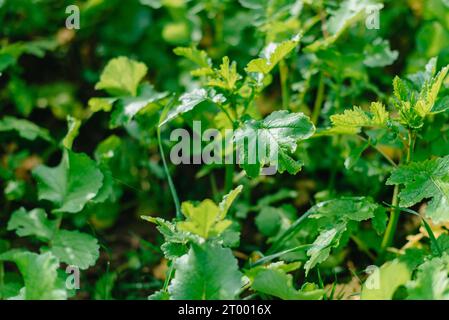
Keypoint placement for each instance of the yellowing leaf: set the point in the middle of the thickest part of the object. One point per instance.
(227, 76)
(383, 282)
(271, 56)
(207, 219)
(121, 76)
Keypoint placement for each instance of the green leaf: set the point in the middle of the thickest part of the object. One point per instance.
(347, 15)
(128, 107)
(104, 286)
(351, 121)
(103, 104)
(322, 245)
(414, 104)
(226, 77)
(276, 282)
(39, 272)
(75, 248)
(268, 221)
(175, 244)
(344, 209)
(207, 219)
(229, 199)
(425, 180)
(442, 243)
(269, 141)
(188, 101)
(207, 272)
(70, 185)
(432, 281)
(121, 76)
(24, 128)
(32, 223)
(383, 282)
(272, 55)
(198, 57)
(441, 105)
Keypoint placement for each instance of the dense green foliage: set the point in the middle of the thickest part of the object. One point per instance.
(350, 97)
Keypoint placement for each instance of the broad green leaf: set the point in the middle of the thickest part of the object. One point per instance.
(425, 180)
(271, 140)
(383, 281)
(269, 220)
(198, 57)
(207, 272)
(73, 130)
(128, 107)
(207, 219)
(24, 128)
(32, 223)
(278, 283)
(121, 76)
(352, 121)
(75, 248)
(272, 55)
(344, 209)
(322, 245)
(70, 185)
(432, 280)
(188, 101)
(39, 272)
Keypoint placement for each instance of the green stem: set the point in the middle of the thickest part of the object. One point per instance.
(283, 70)
(169, 179)
(380, 151)
(319, 100)
(213, 184)
(2, 280)
(392, 224)
(227, 115)
(169, 276)
(229, 176)
(394, 216)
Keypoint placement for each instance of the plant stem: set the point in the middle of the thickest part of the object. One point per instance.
(392, 223)
(380, 151)
(283, 70)
(2, 280)
(169, 179)
(318, 100)
(227, 115)
(394, 216)
(229, 176)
